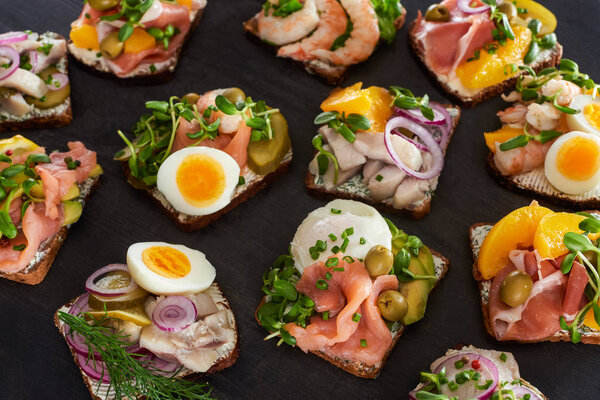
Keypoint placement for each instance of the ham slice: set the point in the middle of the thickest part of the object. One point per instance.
(578, 280)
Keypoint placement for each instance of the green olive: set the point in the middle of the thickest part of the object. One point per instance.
(516, 288)
(103, 5)
(191, 97)
(508, 8)
(235, 95)
(437, 13)
(392, 305)
(379, 261)
(52, 98)
(111, 47)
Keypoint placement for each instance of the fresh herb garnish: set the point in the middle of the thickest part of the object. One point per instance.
(405, 99)
(388, 11)
(345, 125)
(537, 44)
(503, 30)
(132, 11)
(24, 63)
(475, 56)
(45, 48)
(340, 41)
(282, 8)
(379, 178)
(526, 137)
(19, 247)
(324, 156)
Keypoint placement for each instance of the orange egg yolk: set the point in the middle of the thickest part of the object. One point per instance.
(166, 261)
(200, 180)
(578, 159)
(591, 112)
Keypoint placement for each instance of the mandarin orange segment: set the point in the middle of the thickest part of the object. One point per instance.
(548, 239)
(515, 230)
(85, 37)
(187, 3)
(589, 320)
(501, 136)
(139, 41)
(491, 69)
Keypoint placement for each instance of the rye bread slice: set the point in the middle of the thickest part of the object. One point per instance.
(416, 210)
(224, 362)
(162, 74)
(551, 60)
(332, 74)
(54, 117)
(37, 269)
(477, 234)
(361, 369)
(189, 223)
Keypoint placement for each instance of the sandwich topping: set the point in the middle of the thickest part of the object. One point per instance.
(33, 75)
(384, 144)
(39, 194)
(135, 37)
(198, 152)
(348, 293)
(471, 45)
(161, 314)
(539, 272)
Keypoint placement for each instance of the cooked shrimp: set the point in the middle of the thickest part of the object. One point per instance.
(513, 116)
(511, 97)
(567, 89)
(542, 116)
(332, 24)
(229, 123)
(522, 159)
(362, 40)
(284, 30)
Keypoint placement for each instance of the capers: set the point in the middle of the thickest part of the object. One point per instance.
(516, 288)
(437, 13)
(103, 5)
(392, 305)
(52, 98)
(508, 8)
(111, 47)
(191, 97)
(379, 261)
(235, 95)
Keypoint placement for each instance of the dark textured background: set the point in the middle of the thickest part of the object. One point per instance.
(34, 360)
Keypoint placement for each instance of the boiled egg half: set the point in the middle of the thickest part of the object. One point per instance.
(588, 119)
(166, 269)
(573, 162)
(198, 180)
(363, 226)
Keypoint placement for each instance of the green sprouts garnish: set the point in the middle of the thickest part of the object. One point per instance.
(345, 125)
(537, 44)
(256, 115)
(405, 99)
(132, 11)
(130, 377)
(503, 30)
(281, 8)
(526, 137)
(324, 157)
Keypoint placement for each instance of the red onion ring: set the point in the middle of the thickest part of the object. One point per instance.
(425, 136)
(61, 79)
(12, 37)
(485, 362)
(174, 313)
(33, 60)
(87, 365)
(158, 365)
(15, 59)
(521, 391)
(416, 115)
(92, 287)
(465, 6)
(446, 127)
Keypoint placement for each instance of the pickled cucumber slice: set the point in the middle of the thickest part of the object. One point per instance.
(54, 97)
(265, 156)
(125, 302)
(137, 315)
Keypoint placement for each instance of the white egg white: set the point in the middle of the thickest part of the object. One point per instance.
(365, 220)
(200, 277)
(557, 179)
(167, 184)
(578, 122)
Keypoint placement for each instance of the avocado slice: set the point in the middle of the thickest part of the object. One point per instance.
(72, 210)
(427, 260)
(416, 292)
(37, 191)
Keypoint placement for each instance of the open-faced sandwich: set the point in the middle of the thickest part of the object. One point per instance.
(470, 373)
(538, 275)
(41, 195)
(327, 36)
(141, 327)
(200, 156)
(137, 40)
(34, 82)
(549, 143)
(474, 48)
(382, 146)
(349, 287)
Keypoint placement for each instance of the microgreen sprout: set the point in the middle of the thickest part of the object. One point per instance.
(405, 99)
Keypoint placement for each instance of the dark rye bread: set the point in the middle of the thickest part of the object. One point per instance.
(36, 271)
(191, 222)
(220, 365)
(564, 200)
(414, 213)
(490, 91)
(589, 337)
(162, 75)
(54, 120)
(360, 369)
(332, 74)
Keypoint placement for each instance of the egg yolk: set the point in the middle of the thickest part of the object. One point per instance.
(166, 261)
(591, 112)
(200, 180)
(578, 159)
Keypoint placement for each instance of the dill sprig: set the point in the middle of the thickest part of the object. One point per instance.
(130, 377)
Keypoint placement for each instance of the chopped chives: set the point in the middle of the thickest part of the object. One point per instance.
(325, 315)
(331, 262)
(328, 276)
(348, 259)
(336, 211)
(345, 244)
(503, 357)
(363, 342)
(321, 284)
(452, 385)
(356, 317)
(362, 240)
(379, 178)
(241, 181)
(349, 231)
(339, 269)
(335, 249)
(459, 364)
(332, 237)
